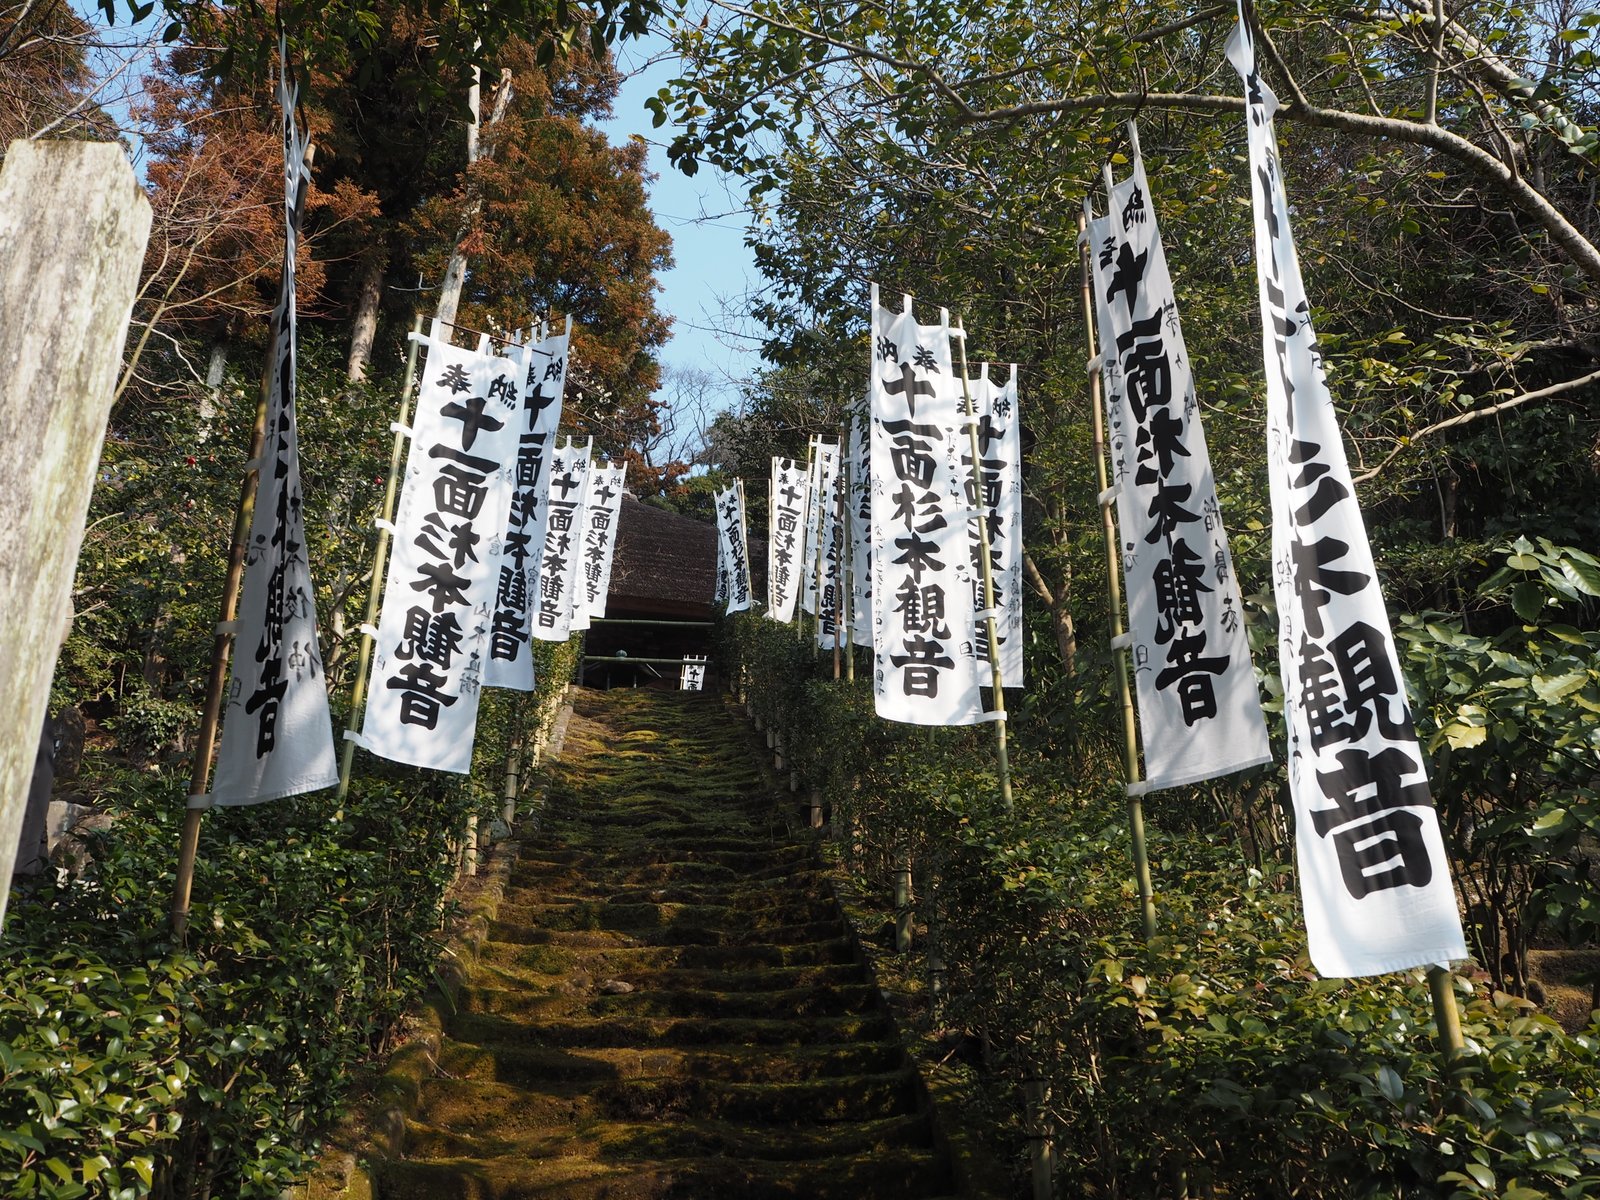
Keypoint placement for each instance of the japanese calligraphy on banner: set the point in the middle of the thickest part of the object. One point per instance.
(599, 540)
(438, 600)
(925, 661)
(829, 568)
(1000, 453)
(510, 663)
(1199, 707)
(789, 501)
(277, 735)
(733, 547)
(824, 469)
(562, 549)
(859, 483)
(1374, 879)
(692, 677)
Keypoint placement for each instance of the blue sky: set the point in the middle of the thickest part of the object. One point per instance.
(705, 216)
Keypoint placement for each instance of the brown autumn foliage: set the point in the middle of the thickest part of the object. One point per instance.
(564, 227)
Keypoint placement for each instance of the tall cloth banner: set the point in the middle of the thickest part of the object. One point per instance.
(859, 474)
(925, 664)
(1199, 706)
(562, 543)
(1374, 879)
(692, 676)
(733, 547)
(994, 407)
(829, 569)
(824, 466)
(277, 734)
(600, 514)
(521, 551)
(439, 597)
(788, 504)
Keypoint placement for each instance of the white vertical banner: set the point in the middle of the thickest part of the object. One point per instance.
(692, 677)
(828, 568)
(1374, 878)
(603, 507)
(860, 483)
(563, 537)
(925, 662)
(824, 465)
(787, 506)
(733, 546)
(438, 600)
(1199, 706)
(277, 734)
(510, 663)
(994, 407)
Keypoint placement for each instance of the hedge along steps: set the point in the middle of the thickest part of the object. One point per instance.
(667, 1003)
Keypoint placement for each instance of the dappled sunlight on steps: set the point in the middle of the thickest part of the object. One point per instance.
(669, 1004)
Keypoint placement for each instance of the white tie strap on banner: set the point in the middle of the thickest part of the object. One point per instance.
(1374, 877)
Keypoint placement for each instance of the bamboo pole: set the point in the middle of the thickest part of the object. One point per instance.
(358, 695)
(1130, 736)
(222, 640)
(1002, 752)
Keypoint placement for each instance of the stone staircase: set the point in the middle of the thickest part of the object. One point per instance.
(669, 1003)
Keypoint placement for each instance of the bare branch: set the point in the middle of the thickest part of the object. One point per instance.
(1478, 414)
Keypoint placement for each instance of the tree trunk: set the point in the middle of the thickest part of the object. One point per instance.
(73, 228)
(366, 322)
(455, 271)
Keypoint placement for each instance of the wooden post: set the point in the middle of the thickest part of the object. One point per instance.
(816, 808)
(1130, 737)
(73, 227)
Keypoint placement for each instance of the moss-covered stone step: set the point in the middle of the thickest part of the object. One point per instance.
(722, 893)
(488, 1026)
(563, 913)
(529, 1064)
(547, 950)
(668, 1005)
(621, 1140)
(891, 1176)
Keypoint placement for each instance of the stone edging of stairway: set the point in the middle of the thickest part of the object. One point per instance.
(977, 1175)
(340, 1173)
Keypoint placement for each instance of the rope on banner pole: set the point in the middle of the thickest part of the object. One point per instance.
(1002, 752)
(1130, 735)
(385, 524)
(222, 639)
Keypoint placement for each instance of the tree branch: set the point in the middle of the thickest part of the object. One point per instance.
(1478, 414)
